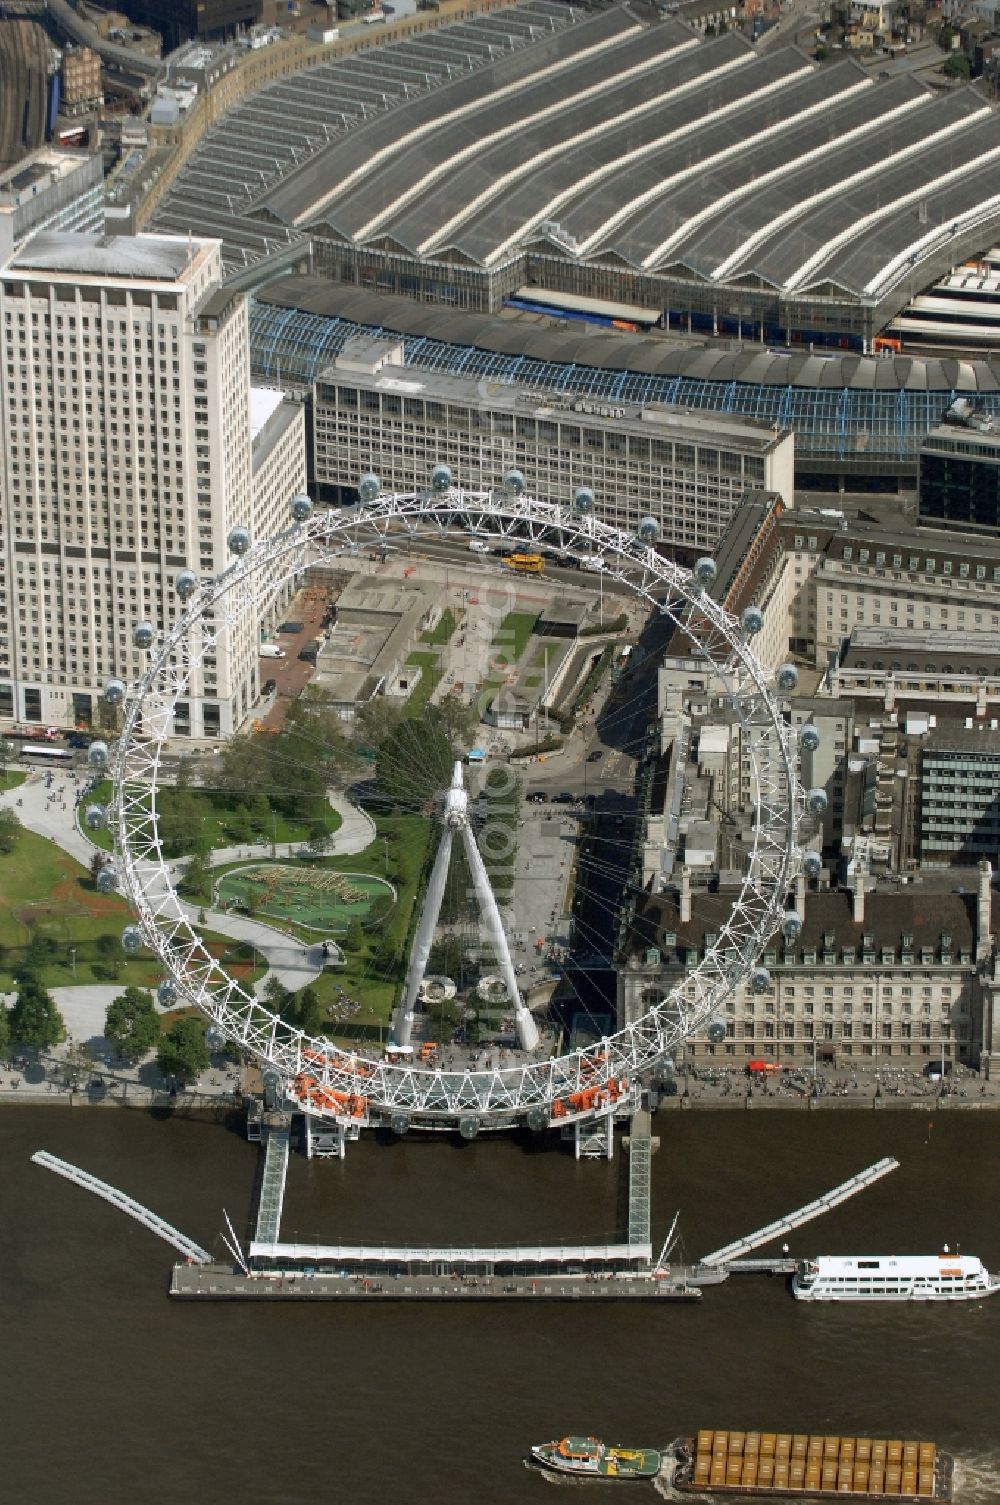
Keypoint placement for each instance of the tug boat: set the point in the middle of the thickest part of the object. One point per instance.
(890, 1277)
(589, 1458)
(796, 1466)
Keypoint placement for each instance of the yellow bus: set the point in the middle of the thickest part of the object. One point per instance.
(525, 564)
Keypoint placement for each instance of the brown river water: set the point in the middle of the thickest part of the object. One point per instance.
(111, 1393)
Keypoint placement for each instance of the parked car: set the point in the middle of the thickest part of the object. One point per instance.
(536, 796)
(290, 627)
(269, 686)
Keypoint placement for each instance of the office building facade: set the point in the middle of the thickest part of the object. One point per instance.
(124, 397)
(960, 477)
(688, 471)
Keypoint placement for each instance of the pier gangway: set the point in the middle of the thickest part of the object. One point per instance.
(741, 1247)
(143, 1215)
(272, 1187)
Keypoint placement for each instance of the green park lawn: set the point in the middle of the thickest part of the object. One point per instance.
(12, 778)
(221, 819)
(513, 634)
(46, 897)
(443, 632)
(430, 678)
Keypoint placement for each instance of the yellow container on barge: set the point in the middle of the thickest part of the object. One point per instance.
(797, 1465)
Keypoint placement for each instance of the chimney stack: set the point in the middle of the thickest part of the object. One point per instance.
(984, 918)
(858, 896)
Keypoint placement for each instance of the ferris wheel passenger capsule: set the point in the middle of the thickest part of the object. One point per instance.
(114, 691)
(812, 864)
(399, 1123)
(514, 481)
(787, 678)
(752, 620)
(705, 571)
(716, 1030)
(166, 993)
(791, 925)
(142, 635)
(648, 531)
(369, 487)
(238, 540)
(468, 1126)
(760, 980)
(97, 755)
(186, 583)
(132, 940)
(816, 801)
(441, 478)
(538, 1119)
(95, 817)
(583, 500)
(809, 738)
(214, 1038)
(107, 879)
(301, 507)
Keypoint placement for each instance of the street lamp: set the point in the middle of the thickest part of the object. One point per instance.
(72, 959)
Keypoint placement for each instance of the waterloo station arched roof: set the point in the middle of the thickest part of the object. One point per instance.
(604, 139)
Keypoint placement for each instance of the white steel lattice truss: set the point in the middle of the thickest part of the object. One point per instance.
(351, 1089)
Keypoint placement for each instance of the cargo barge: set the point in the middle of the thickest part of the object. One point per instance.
(798, 1466)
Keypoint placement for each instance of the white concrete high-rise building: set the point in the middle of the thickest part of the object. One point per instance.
(128, 456)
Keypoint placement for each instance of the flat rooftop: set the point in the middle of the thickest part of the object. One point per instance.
(438, 386)
(149, 258)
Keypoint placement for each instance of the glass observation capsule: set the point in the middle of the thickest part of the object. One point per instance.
(791, 925)
(132, 940)
(760, 980)
(468, 1127)
(441, 478)
(812, 864)
(716, 1030)
(302, 507)
(816, 801)
(648, 530)
(752, 621)
(705, 571)
(399, 1123)
(97, 755)
(167, 992)
(95, 817)
(142, 635)
(114, 691)
(787, 678)
(583, 500)
(369, 487)
(186, 583)
(809, 738)
(238, 540)
(514, 481)
(107, 879)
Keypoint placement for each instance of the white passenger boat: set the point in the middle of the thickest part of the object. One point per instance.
(893, 1277)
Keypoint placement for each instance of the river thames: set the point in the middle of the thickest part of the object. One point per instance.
(111, 1393)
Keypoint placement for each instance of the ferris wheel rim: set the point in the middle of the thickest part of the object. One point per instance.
(423, 1093)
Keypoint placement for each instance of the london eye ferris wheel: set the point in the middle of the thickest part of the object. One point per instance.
(533, 1081)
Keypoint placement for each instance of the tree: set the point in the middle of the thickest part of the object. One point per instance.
(821, 54)
(957, 66)
(97, 861)
(131, 1024)
(10, 832)
(4, 1026)
(354, 940)
(261, 815)
(277, 996)
(107, 946)
(196, 882)
(34, 1020)
(308, 1012)
(319, 838)
(7, 752)
(183, 1052)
